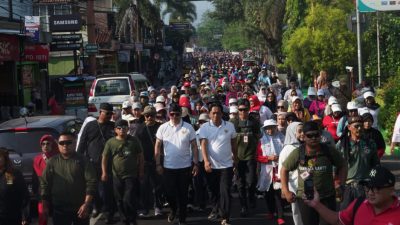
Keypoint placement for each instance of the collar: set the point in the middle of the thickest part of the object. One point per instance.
(222, 123)
(395, 204)
(180, 124)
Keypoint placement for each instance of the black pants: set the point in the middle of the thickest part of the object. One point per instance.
(351, 192)
(200, 188)
(247, 182)
(10, 221)
(310, 216)
(151, 188)
(176, 187)
(104, 199)
(274, 201)
(125, 192)
(219, 182)
(64, 218)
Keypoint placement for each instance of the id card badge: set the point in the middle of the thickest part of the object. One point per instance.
(245, 138)
(304, 175)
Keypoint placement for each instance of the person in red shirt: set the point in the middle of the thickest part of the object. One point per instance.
(381, 206)
(49, 149)
(331, 121)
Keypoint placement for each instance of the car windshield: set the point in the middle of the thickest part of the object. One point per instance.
(24, 142)
(140, 85)
(112, 87)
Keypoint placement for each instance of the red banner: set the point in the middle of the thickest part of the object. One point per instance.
(37, 53)
(9, 50)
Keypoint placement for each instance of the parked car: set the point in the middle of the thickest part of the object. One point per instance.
(114, 89)
(22, 136)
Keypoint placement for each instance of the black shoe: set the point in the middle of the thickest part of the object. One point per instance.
(243, 212)
(171, 217)
(95, 213)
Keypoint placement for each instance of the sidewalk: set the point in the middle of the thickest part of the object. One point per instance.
(393, 163)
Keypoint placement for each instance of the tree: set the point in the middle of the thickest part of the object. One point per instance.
(209, 32)
(235, 37)
(180, 10)
(322, 43)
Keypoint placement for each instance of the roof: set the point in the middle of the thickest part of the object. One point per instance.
(36, 122)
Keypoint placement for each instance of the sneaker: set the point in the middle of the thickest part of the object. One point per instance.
(213, 216)
(280, 221)
(143, 214)
(171, 217)
(157, 212)
(225, 222)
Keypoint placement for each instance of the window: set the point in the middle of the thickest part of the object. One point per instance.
(112, 87)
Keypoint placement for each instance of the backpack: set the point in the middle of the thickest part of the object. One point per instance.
(324, 150)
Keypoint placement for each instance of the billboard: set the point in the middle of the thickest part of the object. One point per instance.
(378, 5)
(32, 27)
(65, 23)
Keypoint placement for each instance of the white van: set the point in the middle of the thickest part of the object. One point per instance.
(114, 89)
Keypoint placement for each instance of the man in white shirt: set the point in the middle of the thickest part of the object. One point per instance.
(177, 138)
(218, 146)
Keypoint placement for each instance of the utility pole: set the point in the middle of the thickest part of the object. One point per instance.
(378, 48)
(91, 35)
(10, 10)
(359, 55)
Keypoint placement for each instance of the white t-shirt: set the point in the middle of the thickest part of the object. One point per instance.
(176, 141)
(293, 175)
(219, 146)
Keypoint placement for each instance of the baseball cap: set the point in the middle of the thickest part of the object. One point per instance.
(368, 94)
(233, 109)
(159, 106)
(320, 92)
(332, 100)
(232, 100)
(136, 105)
(126, 104)
(106, 106)
(204, 117)
(380, 177)
(149, 110)
(296, 98)
(352, 105)
(121, 123)
(268, 123)
(150, 89)
(311, 91)
(367, 116)
(336, 108)
(144, 94)
(160, 99)
(310, 126)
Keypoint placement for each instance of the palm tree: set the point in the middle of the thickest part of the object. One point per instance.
(180, 10)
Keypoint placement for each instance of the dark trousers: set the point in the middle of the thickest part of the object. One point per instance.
(64, 218)
(310, 216)
(103, 198)
(200, 188)
(10, 221)
(274, 201)
(125, 192)
(176, 187)
(247, 182)
(351, 192)
(151, 188)
(219, 182)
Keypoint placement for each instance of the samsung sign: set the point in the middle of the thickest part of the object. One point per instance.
(65, 23)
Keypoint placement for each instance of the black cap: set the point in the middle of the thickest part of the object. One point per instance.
(310, 126)
(173, 107)
(106, 106)
(121, 123)
(367, 116)
(243, 101)
(380, 177)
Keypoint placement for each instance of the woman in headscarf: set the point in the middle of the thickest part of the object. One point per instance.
(262, 94)
(14, 195)
(301, 112)
(373, 134)
(293, 138)
(49, 148)
(255, 104)
(268, 150)
(270, 102)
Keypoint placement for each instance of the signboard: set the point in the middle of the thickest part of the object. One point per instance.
(74, 93)
(66, 37)
(92, 48)
(139, 46)
(125, 46)
(36, 53)
(65, 23)
(180, 26)
(124, 56)
(27, 76)
(9, 50)
(378, 5)
(65, 46)
(32, 27)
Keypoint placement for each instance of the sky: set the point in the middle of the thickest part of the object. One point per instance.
(201, 8)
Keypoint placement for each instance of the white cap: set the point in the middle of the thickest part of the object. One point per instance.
(204, 117)
(332, 100)
(296, 98)
(203, 83)
(232, 100)
(160, 98)
(159, 106)
(368, 94)
(127, 117)
(150, 89)
(336, 108)
(269, 122)
(362, 111)
(352, 105)
(136, 105)
(233, 109)
(311, 91)
(126, 104)
(320, 92)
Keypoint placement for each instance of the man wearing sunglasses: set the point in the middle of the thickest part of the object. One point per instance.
(178, 138)
(125, 154)
(381, 205)
(314, 162)
(91, 144)
(69, 181)
(361, 156)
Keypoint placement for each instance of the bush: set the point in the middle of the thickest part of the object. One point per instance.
(390, 94)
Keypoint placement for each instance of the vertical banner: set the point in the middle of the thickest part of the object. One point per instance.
(32, 27)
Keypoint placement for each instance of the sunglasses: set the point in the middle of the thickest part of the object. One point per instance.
(313, 135)
(45, 143)
(357, 126)
(149, 115)
(65, 143)
(122, 127)
(108, 113)
(243, 109)
(174, 114)
(373, 189)
(280, 107)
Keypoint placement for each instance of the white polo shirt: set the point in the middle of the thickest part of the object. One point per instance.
(219, 143)
(176, 141)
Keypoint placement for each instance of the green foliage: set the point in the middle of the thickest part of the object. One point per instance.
(208, 32)
(390, 93)
(322, 43)
(235, 38)
(228, 11)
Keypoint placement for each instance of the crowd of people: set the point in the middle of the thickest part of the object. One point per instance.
(225, 126)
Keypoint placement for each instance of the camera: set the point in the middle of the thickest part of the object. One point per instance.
(309, 188)
(349, 68)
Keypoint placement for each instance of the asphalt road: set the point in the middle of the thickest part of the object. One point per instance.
(257, 216)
